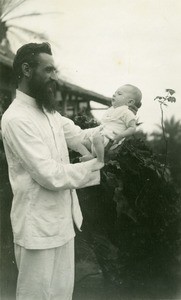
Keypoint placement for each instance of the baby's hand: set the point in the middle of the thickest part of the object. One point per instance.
(118, 138)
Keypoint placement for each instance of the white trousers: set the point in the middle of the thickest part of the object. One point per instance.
(45, 274)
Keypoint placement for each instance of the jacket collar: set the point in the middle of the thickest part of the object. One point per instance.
(25, 99)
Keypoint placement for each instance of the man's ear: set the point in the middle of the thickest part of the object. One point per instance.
(26, 69)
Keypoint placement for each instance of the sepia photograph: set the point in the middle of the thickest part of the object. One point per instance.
(90, 150)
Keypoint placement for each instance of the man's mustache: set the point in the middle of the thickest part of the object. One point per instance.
(52, 85)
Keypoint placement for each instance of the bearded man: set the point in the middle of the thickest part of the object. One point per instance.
(45, 205)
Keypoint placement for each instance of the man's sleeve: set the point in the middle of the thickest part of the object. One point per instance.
(73, 133)
(34, 155)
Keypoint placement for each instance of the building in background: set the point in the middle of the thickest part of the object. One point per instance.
(71, 98)
(7, 83)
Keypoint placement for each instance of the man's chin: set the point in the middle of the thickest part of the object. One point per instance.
(49, 104)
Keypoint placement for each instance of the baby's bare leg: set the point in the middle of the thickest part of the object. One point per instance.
(98, 143)
(85, 150)
(87, 144)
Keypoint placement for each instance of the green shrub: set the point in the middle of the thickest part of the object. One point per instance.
(132, 219)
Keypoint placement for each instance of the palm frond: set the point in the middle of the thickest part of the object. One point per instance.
(32, 14)
(29, 32)
(10, 10)
(24, 36)
(18, 38)
(4, 4)
(10, 6)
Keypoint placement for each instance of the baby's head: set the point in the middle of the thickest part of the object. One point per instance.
(128, 95)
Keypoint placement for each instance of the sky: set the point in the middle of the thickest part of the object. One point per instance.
(101, 45)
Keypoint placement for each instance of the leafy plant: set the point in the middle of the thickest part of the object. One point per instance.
(173, 135)
(132, 220)
(163, 102)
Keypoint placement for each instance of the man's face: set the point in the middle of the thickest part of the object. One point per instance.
(43, 82)
(121, 97)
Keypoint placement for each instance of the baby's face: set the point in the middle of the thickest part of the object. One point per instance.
(121, 96)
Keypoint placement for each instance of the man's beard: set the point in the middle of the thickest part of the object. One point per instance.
(44, 94)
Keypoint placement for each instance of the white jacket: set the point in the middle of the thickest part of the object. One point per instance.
(42, 178)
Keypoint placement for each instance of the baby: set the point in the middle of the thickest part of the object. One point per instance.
(118, 122)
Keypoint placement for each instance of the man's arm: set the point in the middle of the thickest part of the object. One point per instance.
(34, 155)
(74, 135)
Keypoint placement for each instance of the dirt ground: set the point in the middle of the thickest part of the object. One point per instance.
(90, 285)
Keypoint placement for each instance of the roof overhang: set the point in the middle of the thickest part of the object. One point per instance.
(6, 56)
(79, 91)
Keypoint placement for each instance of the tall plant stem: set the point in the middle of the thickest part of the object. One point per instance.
(164, 138)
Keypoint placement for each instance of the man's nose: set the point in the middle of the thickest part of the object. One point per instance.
(54, 76)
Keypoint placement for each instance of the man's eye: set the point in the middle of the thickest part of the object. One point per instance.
(49, 70)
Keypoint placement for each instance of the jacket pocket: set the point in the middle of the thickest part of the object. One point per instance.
(44, 214)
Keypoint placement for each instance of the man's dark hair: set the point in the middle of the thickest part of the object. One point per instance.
(28, 53)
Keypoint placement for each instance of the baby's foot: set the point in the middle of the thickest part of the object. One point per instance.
(86, 157)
